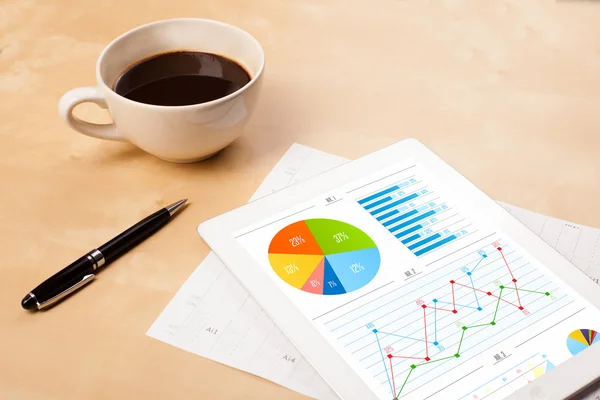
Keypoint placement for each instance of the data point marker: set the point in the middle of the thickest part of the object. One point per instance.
(547, 293)
(489, 293)
(457, 355)
(413, 366)
(424, 306)
(427, 358)
(501, 286)
(479, 308)
(435, 300)
(484, 256)
(464, 328)
(468, 273)
(375, 331)
(520, 308)
(514, 280)
(500, 248)
(435, 343)
(454, 311)
(390, 356)
(451, 281)
(492, 323)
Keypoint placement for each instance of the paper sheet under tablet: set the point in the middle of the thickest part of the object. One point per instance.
(212, 315)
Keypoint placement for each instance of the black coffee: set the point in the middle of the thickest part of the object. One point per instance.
(181, 78)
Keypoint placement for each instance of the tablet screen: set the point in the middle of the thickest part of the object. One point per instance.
(422, 296)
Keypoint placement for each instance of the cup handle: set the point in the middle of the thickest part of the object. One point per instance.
(80, 95)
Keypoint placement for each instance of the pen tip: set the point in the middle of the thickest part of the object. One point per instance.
(173, 208)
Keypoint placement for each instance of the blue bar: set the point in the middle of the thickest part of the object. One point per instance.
(424, 241)
(376, 195)
(409, 230)
(395, 203)
(384, 216)
(400, 218)
(378, 202)
(410, 239)
(437, 244)
(410, 221)
(393, 212)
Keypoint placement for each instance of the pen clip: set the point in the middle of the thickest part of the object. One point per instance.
(84, 281)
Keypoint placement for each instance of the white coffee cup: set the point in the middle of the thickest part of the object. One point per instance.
(178, 133)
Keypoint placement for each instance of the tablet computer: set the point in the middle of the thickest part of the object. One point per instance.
(397, 278)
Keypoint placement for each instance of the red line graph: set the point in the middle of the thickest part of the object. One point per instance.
(425, 327)
(453, 301)
(518, 297)
(414, 358)
(488, 293)
(392, 371)
(505, 263)
(512, 276)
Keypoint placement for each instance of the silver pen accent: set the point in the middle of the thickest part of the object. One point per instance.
(173, 208)
(86, 279)
(96, 258)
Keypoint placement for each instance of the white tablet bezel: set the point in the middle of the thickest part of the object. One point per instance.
(558, 383)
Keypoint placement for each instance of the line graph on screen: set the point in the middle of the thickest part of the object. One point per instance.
(417, 333)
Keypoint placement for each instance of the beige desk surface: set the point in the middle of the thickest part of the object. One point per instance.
(508, 92)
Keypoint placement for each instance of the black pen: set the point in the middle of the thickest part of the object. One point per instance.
(83, 270)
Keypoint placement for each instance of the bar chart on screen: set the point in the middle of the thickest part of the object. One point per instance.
(418, 216)
(436, 331)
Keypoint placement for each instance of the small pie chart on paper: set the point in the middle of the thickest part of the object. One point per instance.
(324, 256)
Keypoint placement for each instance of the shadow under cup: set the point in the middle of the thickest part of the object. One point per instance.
(181, 133)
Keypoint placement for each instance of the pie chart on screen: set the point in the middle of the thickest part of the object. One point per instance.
(324, 256)
(581, 339)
